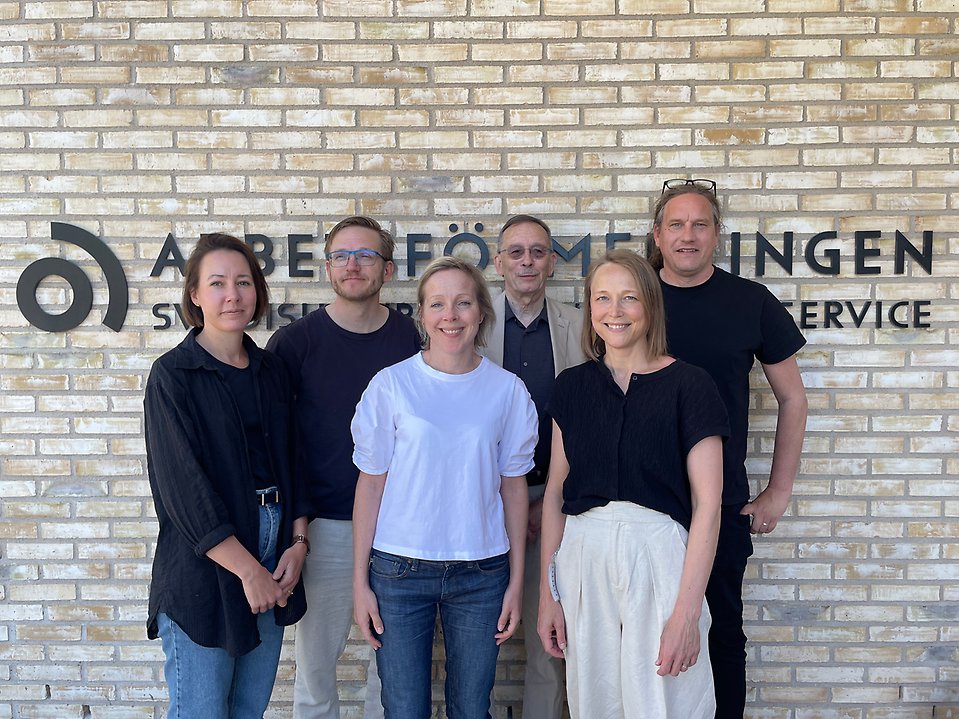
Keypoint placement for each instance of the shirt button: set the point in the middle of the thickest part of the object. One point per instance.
(526, 364)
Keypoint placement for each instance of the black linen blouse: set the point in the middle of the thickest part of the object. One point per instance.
(632, 447)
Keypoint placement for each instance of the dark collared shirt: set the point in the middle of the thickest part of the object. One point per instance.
(204, 490)
(528, 353)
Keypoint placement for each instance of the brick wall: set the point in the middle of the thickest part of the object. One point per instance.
(142, 119)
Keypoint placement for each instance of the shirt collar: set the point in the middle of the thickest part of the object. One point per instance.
(193, 356)
(510, 315)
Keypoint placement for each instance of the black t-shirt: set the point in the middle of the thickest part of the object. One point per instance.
(632, 447)
(242, 384)
(722, 325)
(330, 367)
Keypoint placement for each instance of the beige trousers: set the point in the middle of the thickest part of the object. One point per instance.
(618, 571)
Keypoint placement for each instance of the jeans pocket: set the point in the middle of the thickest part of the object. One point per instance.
(493, 565)
(389, 566)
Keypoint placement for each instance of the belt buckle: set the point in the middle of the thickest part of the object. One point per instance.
(275, 495)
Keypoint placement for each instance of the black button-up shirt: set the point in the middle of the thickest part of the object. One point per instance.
(204, 491)
(528, 353)
(632, 446)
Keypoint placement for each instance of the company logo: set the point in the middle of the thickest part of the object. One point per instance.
(82, 303)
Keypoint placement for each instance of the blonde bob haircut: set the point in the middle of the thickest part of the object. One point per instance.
(479, 285)
(650, 295)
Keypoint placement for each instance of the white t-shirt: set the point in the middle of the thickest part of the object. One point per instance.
(444, 441)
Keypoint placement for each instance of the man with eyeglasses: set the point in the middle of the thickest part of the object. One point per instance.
(722, 322)
(332, 354)
(536, 339)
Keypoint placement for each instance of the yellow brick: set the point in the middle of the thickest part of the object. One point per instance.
(579, 7)
(913, 24)
(914, 156)
(355, 184)
(805, 92)
(458, 74)
(915, 68)
(394, 118)
(357, 53)
(766, 26)
(466, 161)
(881, 46)
(359, 96)
(591, 50)
(619, 27)
(767, 70)
(716, 49)
(693, 115)
(654, 7)
(691, 28)
(730, 137)
(580, 138)
(513, 139)
(540, 160)
(504, 8)
(508, 96)
(728, 7)
(512, 51)
(730, 93)
(546, 73)
(505, 183)
(433, 140)
(645, 50)
(630, 116)
(434, 96)
(470, 29)
(57, 9)
(208, 53)
(372, 8)
(285, 8)
(469, 117)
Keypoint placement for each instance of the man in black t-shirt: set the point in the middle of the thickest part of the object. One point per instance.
(332, 354)
(721, 323)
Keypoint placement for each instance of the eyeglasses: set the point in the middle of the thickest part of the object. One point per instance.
(697, 182)
(364, 257)
(517, 252)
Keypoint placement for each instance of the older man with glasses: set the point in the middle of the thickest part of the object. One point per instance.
(332, 354)
(722, 323)
(535, 338)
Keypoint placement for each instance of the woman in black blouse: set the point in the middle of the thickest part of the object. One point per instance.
(226, 572)
(635, 479)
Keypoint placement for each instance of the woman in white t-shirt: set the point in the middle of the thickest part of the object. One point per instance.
(443, 442)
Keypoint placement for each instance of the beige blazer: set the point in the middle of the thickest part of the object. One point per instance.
(565, 327)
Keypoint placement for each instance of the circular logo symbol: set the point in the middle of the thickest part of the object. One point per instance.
(78, 310)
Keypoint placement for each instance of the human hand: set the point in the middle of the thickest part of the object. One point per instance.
(551, 626)
(678, 645)
(766, 510)
(366, 614)
(509, 616)
(262, 591)
(290, 566)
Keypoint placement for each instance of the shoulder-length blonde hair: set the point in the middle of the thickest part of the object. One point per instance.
(479, 284)
(650, 295)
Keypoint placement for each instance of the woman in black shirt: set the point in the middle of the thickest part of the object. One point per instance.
(226, 572)
(635, 477)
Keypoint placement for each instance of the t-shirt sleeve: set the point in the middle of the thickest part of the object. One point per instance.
(702, 412)
(284, 346)
(781, 338)
(558, 403)
(373, 426)
(520, 433)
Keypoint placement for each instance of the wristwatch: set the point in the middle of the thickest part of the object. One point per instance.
(301, 539)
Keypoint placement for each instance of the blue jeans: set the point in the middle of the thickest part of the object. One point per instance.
(469, 597)
(206, 682)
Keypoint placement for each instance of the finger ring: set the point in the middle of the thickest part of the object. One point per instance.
(684, 667)
(765, 524)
